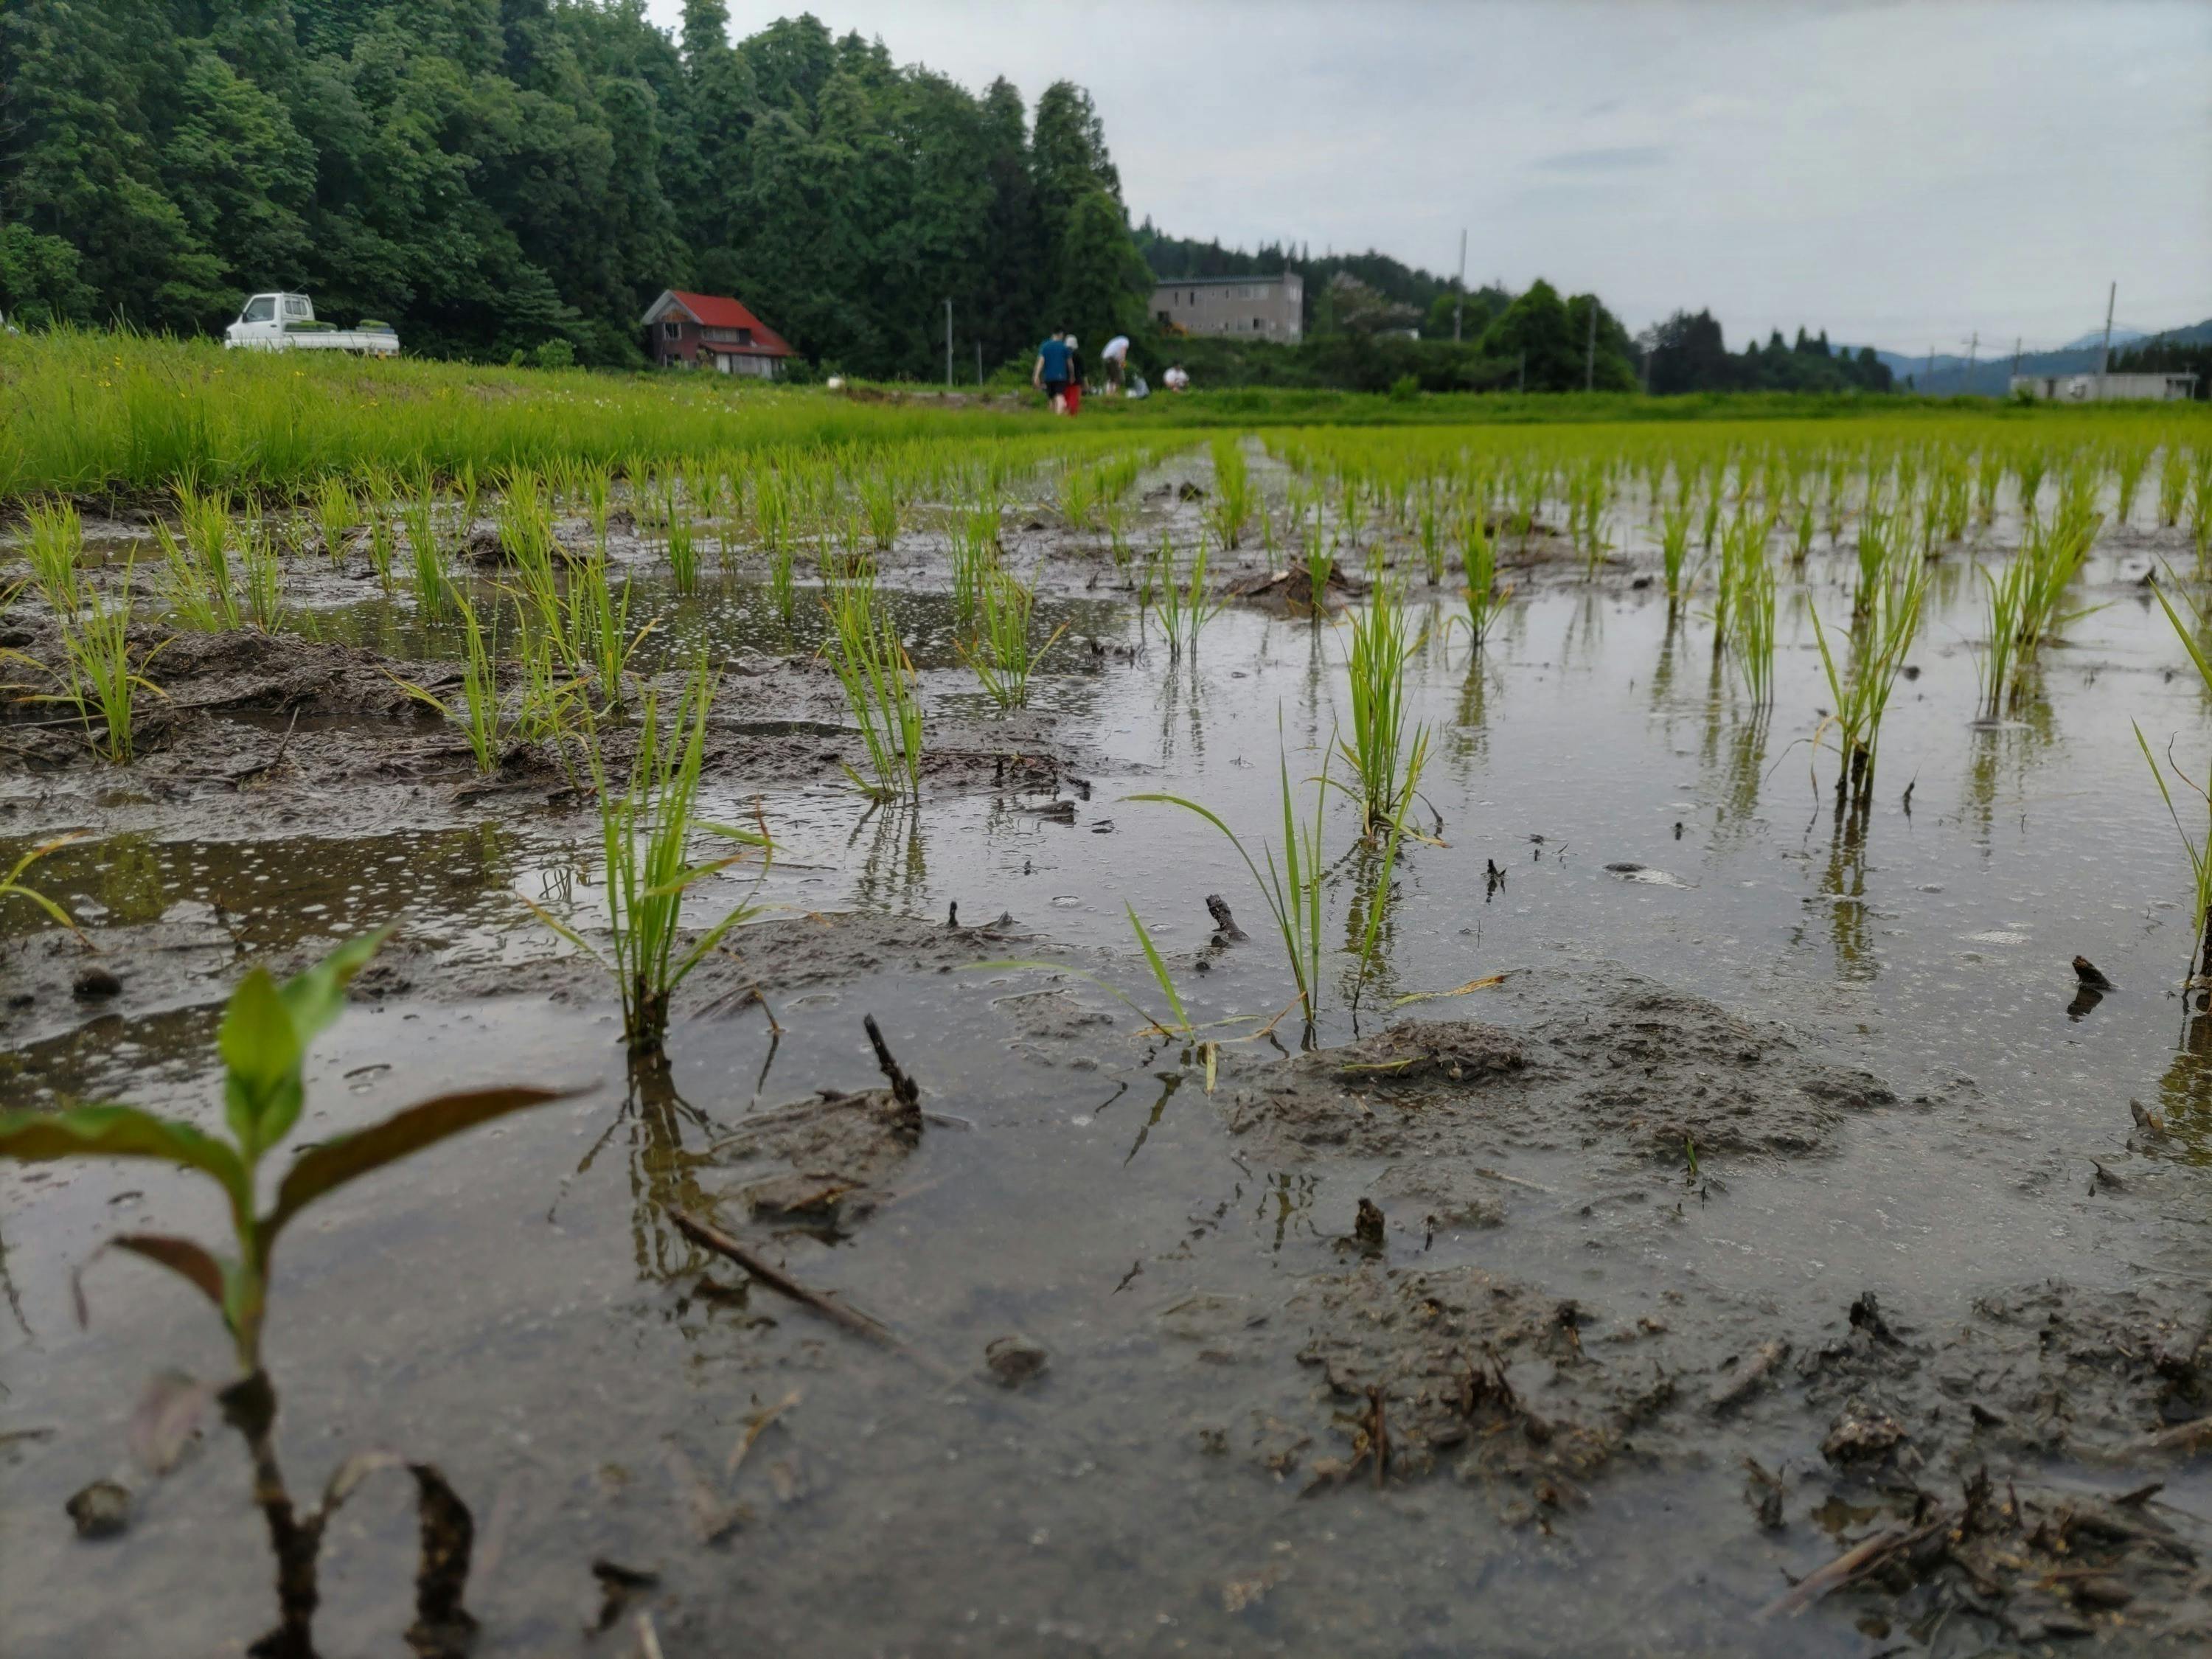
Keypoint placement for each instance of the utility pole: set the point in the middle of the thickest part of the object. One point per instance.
(2104, 357)
(948, 343)
(1590, 352)
(1458, 303)
(2015, 356)
(979, 363)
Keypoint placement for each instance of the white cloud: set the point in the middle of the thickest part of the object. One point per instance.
(1905, 174)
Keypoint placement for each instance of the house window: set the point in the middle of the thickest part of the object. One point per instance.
(672, 330)
(1259, 325)
(744, 337)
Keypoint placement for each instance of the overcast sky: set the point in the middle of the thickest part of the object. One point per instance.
(1902, 174)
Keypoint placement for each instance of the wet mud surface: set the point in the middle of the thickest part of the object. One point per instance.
(1768, 1264)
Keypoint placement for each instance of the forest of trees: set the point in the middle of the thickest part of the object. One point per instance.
(1687, 354)
(520, 178)
(490, 175)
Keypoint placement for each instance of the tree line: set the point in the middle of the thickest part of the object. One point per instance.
(497, 177)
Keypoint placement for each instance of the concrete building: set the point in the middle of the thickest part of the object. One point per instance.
(2096, 388)
(1262, 308)
(711, 331)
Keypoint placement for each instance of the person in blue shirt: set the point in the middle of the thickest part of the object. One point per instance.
(1050, 375)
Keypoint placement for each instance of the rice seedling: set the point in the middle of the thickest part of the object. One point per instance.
(782, 583)
(975, 555)
(646, 826)
(53, 545)
(1383, 644)
(1181, 1026)
(1431, 533)
(1292, 888)
(1874, 553)
(188, 593)
(1860, 694)
(1000, 653)
(1320, 565)
(1183, 603)
(1801, 546)
(596, 628)
(101, 675)
(261, 576)
(1233, 493)
(683, 542)
(2199, 850)
(879, 680)
(1416, 756)
(1478, 554)
(478, 714)
(263, 1043)
(13, 886)
(1674, 552)
(2029, 466)
(879, 501)
(2173, 485)
(420, 520)
(336, 515)
(1077, 496)
(1747, 601)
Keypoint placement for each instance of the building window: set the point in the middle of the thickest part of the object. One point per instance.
(1259, 325)
(744, 337)
(672, 330)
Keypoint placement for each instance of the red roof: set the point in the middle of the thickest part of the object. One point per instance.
(718, 311)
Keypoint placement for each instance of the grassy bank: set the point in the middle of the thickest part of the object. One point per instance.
(95, 414)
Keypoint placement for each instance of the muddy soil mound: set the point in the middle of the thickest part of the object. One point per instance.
(1456, 1367)
(1610, 1061)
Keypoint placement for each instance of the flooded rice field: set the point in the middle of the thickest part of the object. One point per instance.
(1697, 1192)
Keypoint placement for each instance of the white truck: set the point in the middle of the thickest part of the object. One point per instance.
(286, 322)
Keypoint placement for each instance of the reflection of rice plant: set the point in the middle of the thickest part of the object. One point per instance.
(1383, 643)
(1182, 602)
(12, 885)
(1861, 696)
(646, 827)
(1000, 655)
(1291, 889)
(879, 680)
(479, 715)
(2199, 852)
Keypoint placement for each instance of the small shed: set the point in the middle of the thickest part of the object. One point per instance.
(711, 331)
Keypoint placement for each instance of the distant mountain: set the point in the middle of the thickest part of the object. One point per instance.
(2121, 335)
(1992, 375)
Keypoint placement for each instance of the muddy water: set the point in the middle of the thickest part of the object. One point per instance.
(521, 1312)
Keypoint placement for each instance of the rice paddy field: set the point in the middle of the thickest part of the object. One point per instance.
(1157, 1034)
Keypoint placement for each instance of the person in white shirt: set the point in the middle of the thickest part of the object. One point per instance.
(1116, 357)
(1175, 379)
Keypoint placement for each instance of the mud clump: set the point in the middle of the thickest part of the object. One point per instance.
(1455, 1366)
(1631, 1068)
(838, 1151)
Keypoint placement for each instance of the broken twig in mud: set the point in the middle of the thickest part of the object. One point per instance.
(1224, 924)
(903, 1088)
(1853, 1563)
(1751, 1370)
(711, 1238)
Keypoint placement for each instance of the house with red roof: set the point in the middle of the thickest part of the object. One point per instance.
(711, 331)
